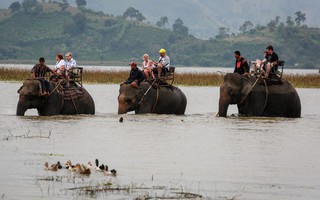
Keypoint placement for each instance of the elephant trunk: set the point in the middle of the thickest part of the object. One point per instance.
(122, 105)
(21, 109)
(224, 102)
(122, 108)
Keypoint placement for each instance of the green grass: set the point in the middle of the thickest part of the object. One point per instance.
(190, 79)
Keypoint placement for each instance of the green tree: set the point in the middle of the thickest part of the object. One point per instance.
(246, 26)
(81, 3)
(80, 21)
(15, 6)
(223, 33)
(133, 13)
(272, 25)
(38, 9)
(300, 18)
(289, 21)
(109, 22)
(140, 17)
(179, 28)
(27, 5)
(162, 22)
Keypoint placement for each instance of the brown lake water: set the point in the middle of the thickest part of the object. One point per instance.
(161, 155)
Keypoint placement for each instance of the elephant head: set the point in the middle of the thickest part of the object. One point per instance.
(128, 98)
(234, 90)
(29, 96)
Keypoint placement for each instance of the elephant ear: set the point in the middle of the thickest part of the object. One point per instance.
(139, 94)
(246, 89)
(20, 89)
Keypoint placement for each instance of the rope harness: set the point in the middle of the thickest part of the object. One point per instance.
(74, 104)
(62, 101)
(154, 106)
(146, 92)
(267, 91)
(157, 97)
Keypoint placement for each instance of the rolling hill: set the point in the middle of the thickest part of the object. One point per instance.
(45, 29)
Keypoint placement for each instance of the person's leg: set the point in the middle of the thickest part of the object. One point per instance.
(48, 87)
(159, 71)
(146, 73)
(43, 87)
(268, 69)
(152, 74)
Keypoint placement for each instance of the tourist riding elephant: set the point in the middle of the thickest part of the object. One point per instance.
(54, 104)
(146, 99)
(259, 97)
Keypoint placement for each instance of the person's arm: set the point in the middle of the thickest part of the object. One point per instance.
(73, 64)
(166, 62)
(140, 77)
(33, 71)
(246, 67)
(276, 58)
(62, 67)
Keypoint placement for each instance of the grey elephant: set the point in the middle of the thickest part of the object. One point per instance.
(257, 97)
(151, 99)
(55, 104)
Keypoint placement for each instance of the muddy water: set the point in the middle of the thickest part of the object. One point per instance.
(218, 158)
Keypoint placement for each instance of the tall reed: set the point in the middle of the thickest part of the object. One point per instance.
(192, 79)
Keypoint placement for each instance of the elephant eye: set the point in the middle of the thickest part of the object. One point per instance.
(230, 92)
(128, 101)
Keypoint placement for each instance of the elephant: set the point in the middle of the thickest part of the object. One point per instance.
(148, 98)
(53, 104)
(256, 96)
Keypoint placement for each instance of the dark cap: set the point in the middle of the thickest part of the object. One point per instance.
(41, 59)
(237, 53)
(270, 47)
(133, 64)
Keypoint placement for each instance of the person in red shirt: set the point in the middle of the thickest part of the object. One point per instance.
(241, 66)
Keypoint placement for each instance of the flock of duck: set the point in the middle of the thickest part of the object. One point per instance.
(80, 168)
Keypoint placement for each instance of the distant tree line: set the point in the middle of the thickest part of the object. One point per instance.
(34, 7)
(271, 26)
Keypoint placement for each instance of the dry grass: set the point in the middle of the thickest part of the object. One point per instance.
(304, 81)
(193, 79)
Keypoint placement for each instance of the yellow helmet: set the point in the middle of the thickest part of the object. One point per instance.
(162, 51)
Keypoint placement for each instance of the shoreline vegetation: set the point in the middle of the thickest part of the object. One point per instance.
(187, 79)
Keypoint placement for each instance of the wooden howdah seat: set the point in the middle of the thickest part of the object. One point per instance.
(75, 75)
(169, 75)
(278, 70)
(275, 71)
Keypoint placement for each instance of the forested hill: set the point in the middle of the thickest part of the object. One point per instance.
(44, 29)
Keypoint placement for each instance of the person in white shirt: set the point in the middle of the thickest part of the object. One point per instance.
(59, 68)
(70, 62)
(147, 66)
(163, 64)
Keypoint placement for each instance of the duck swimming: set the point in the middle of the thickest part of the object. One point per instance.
(85, 170)
(101, 167)
(53, 167)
